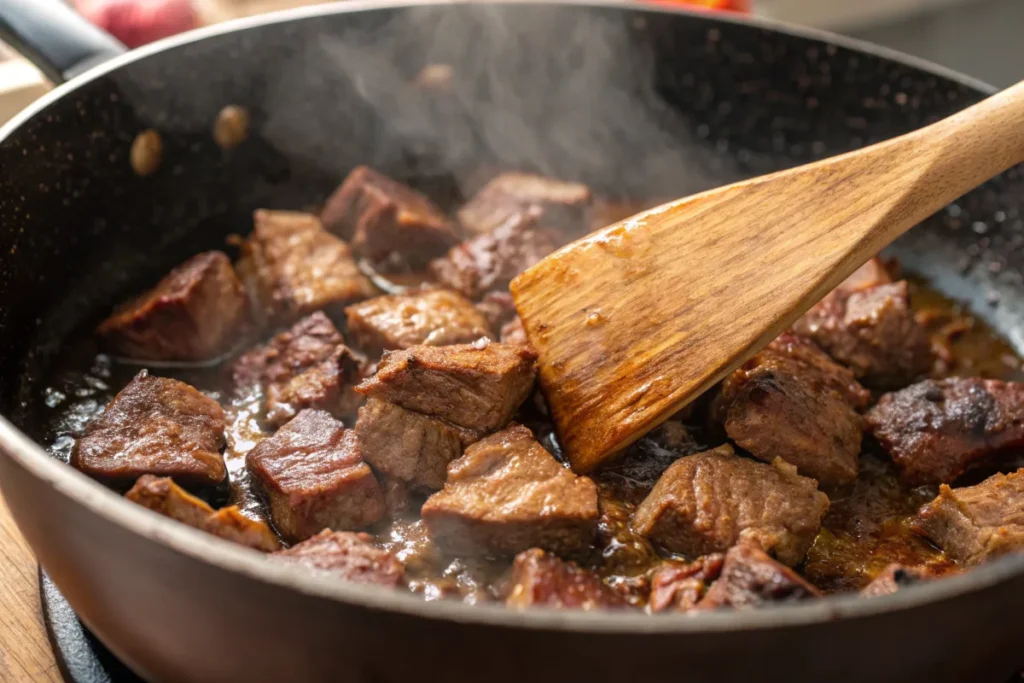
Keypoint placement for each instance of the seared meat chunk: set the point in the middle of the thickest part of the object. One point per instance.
(873, 273)
(750, 578)
(413, 448)
(162, 495)
(350, 556)
(435, 318)
(507, 494)
(791, 401)
(293, 267)
(872, 331)
(307, 366)
(155, 425)
(705, 503)
(938, 429)
(476, 386)
(562, 205)
(490, 260)
(313, 476)
(680, 586)
(893, 578)
(539, 578)
(975, 523)
(382, 216)
(196, 312)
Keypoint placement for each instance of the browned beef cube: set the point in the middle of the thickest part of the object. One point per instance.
(791, 401)
(873, 273)
(197, 312)
(489, 261)
(975, 523)
(293, 267)
(936, 430)
(561, 204)
(436, 317)
(351, 556)
(872, 331)
(705, 503)
(680, 586)
(895, 577)
(507, 494)
(476, 386)
(539, 578)
(313, 476)
(750, 578)
(307, 366)
(381, 216)
(162, 495)
(155, 425)
(408, 446)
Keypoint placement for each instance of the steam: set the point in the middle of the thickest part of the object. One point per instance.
(553, 90)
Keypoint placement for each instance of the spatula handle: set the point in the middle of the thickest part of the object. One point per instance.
(888, 188)
(960, 152)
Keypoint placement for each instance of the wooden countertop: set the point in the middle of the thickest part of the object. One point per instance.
(25, 653)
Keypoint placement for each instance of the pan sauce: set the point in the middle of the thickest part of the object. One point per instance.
(865, 529)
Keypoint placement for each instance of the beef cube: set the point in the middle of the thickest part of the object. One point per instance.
(895, 577)
(350, 556)
(162, 495)
(197, 312)
(436, 317)
(507, 494)
(407, 446)
(705, 503)
(313, 477)
(872, 331)
(975, 523)
(539, 578)
(791, 401)
(307, 366)
(229, 523)
(872, 274)
(937, 430)
(476, 386)
(497, 308)
(381, 216)
(489, 261)
(680, 586)
(155, 425)
(293, 267)
(562, 205)
(750, 578)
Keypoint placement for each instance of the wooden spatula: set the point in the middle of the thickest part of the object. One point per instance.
(635, 320)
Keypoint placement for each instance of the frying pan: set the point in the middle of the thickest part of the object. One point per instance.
(638, 101)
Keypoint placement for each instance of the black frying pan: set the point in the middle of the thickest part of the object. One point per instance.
(638, 102)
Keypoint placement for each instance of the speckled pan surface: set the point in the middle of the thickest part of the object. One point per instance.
(635, 101)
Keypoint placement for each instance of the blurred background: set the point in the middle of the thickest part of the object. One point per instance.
(978, 37)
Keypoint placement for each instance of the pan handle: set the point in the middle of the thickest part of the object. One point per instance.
(54, 37)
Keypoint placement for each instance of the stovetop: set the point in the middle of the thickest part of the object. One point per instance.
(80, 656)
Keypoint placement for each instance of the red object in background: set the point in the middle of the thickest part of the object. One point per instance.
(731, 5)
(137, 22)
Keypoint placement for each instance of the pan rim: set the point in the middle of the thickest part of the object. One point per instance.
(31, 456)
